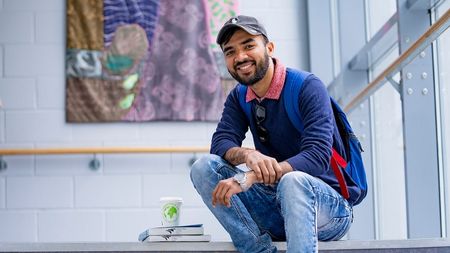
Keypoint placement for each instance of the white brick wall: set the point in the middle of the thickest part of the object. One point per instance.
(155, 186)
(49, 31)
(125, 225)
(105, 132)
(181, 162)
(137, 163)
(67, 165)
(108, 191)
(48, 165)
(23, 22)
(22, 165)
(33, 5)
(39, 192)
(10, 87)
(69, 225)
(37, 126)
(18, 226)
(2, 124)
(2, 193)
(55, 198)
(34, 60)
(1, 62)
(176, 133)
(51, 92)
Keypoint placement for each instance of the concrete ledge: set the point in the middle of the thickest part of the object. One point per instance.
(425, 245)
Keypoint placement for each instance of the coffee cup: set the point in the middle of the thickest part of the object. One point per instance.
(170, 211)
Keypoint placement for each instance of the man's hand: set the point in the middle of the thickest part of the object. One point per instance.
(223, 192)
(267, 169)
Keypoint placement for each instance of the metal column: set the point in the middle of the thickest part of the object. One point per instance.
(420, 132)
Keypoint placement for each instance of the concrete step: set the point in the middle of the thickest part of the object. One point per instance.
(345, 246)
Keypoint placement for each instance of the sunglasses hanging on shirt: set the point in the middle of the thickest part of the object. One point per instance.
(260, 116)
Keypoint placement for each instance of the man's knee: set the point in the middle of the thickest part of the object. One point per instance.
(203, 167)
(295, 182)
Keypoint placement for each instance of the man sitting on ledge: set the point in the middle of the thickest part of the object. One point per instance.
(289, 193)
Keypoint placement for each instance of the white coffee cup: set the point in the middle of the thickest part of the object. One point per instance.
(170, 211)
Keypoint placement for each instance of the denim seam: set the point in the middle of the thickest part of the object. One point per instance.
(316, 230)
(242, 217)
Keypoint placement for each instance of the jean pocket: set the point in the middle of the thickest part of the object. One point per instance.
(335, 229)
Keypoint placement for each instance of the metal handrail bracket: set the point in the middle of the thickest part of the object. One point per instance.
(404, 59)
(342, 91)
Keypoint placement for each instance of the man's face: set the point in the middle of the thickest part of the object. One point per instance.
(247, 57)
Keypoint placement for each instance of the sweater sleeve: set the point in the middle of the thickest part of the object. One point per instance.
(233, 125)
(317, 137)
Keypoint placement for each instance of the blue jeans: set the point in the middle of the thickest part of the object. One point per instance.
(300, 209)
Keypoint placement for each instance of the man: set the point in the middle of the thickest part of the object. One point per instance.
(289, 192)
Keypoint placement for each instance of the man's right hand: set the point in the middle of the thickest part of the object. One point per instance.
(267, 169)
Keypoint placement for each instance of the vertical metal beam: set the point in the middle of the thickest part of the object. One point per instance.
(352, 35)
(420, 132)
(320, 37)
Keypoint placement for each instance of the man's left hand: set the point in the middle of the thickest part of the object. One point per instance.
(223, 192)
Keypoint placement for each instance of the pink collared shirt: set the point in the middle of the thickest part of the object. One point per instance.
(276, 86)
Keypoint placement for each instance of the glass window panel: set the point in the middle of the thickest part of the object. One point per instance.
(379, 13)
(388, 139)
(389, 157)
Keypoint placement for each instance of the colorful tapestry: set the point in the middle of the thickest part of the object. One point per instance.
(145, 60)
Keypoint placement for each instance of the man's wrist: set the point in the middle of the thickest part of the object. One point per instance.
(237, 155)
(247, 153)
(251, 177)
(242, 179)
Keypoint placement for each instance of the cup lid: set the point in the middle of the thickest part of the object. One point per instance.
(177, 199)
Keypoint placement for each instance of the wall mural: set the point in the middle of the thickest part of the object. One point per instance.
(145, 60)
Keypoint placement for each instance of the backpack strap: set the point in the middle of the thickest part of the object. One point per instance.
(242, 93)
(337, 162)
(291, 93)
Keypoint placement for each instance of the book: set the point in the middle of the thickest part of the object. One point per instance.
(178, 238)
(192, 229)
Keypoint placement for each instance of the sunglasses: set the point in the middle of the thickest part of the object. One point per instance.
(260, 116)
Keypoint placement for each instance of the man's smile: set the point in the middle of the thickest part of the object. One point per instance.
(245, 66)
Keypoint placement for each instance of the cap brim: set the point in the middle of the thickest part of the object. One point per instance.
(227, 28)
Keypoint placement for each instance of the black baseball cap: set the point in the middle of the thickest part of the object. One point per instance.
(246, 23)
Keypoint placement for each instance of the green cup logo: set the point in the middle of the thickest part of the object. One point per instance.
(170, 212)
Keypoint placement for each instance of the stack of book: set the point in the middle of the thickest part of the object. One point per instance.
(186, 233)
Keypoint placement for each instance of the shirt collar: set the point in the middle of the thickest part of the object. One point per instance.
(276, 86)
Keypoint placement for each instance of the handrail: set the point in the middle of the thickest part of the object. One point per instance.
(405, 58)
(94, 164)
(102, 150)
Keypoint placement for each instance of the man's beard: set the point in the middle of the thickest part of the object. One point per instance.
(261, 70)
